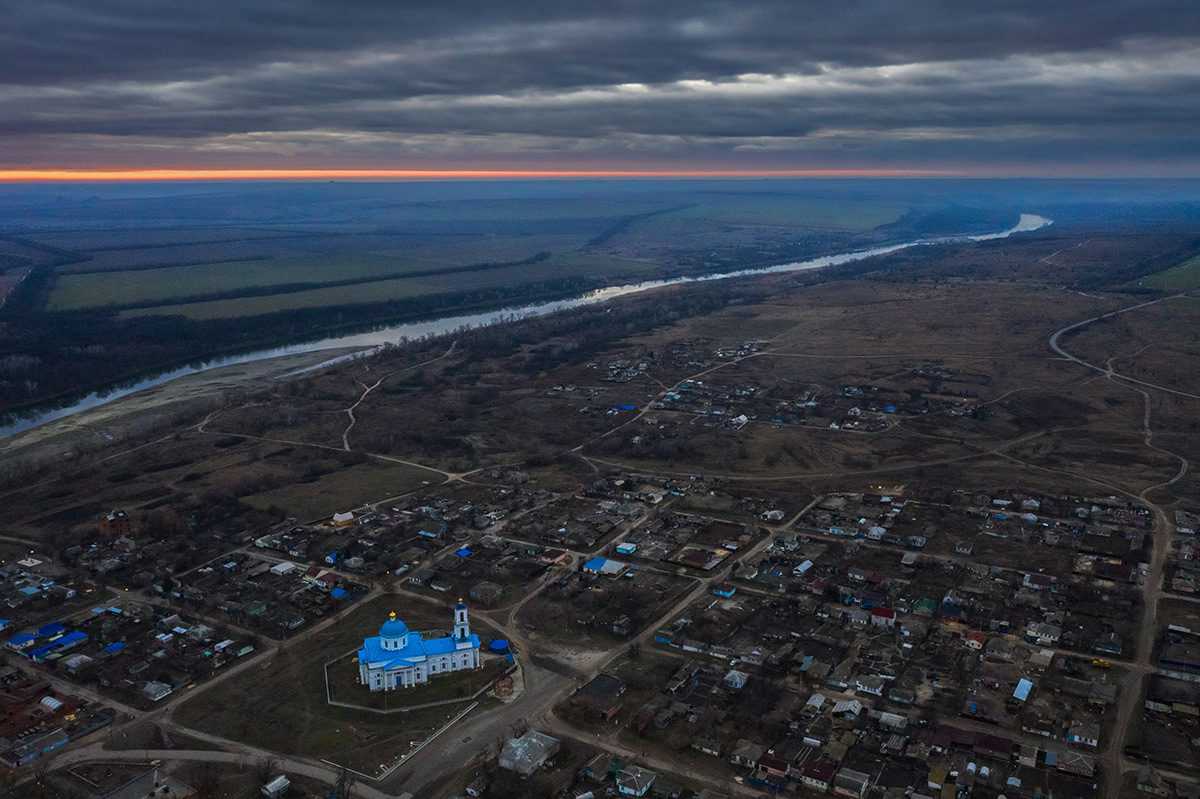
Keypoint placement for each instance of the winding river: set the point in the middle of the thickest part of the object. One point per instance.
(366, 342)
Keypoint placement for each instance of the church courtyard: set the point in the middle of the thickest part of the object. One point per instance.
(280, 704)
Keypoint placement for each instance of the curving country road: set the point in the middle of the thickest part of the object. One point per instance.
(1054, 345)
(1113, 758)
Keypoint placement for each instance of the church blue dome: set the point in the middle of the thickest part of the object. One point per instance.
(393, 628)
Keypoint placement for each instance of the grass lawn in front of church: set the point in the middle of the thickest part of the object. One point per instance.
(345, 687)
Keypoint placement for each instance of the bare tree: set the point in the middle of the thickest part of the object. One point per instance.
(345, 784)
(264, 769)
(205, 777)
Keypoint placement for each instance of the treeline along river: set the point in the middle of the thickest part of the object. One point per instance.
(367, 341)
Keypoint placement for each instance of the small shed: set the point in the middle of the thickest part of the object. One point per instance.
(155, 691)
(486, 593)
(276, 787)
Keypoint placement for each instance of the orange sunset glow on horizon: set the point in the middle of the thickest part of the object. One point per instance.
(83, 175)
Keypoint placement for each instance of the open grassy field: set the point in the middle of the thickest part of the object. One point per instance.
(789, 211)
(96, 289)
(122, 239)
(1184, 277)
(322, 496)
(406, 288)
(481, 248)
(610, 234)
(452, 248)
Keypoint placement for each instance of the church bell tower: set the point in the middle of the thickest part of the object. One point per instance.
(462, 627)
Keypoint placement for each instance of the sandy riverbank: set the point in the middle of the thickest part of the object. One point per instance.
(146, 411)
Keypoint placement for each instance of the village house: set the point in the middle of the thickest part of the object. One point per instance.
(528, 753)
(634, 781)
(818, 775)
(849, 782)
(604, 693)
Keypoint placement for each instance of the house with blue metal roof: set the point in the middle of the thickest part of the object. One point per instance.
(401, 658)
(57, 645)
(21, 642)
(52, 629)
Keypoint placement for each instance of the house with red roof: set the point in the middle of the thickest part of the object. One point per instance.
(883, 617)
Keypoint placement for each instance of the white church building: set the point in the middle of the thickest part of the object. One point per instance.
(399, 658)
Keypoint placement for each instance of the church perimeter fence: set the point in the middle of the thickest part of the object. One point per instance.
(384, 711)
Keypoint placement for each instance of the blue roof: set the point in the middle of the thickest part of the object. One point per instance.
(393, 628)
(440, 646)
(117, 647)
(23, 638)
(595, 564)
(66, 640)
(54, 628)
(414, 651)
(28, 590)
(337, 593)
(464, 552)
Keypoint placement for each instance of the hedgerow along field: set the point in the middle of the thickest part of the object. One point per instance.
(453, 247)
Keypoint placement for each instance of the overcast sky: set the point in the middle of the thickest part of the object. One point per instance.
(1027, 87)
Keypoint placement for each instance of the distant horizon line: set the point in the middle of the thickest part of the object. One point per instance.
(133, 175)
(105, 175)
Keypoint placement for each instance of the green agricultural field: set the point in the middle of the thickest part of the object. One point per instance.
(482, 248)
(464, 234)
(1184, 277)
(99, 289)
(604, 208)
(786, 211)
(408, 288)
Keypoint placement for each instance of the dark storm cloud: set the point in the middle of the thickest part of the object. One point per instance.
(126, 79)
